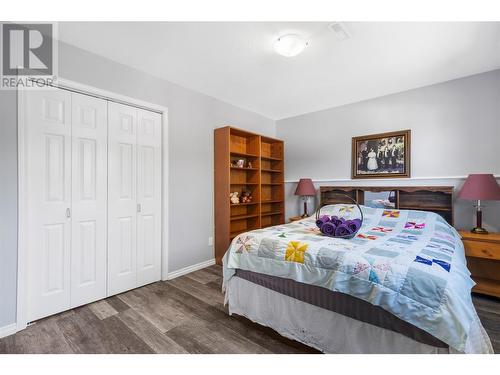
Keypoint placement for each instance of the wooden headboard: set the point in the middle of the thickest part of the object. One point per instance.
(438, 199)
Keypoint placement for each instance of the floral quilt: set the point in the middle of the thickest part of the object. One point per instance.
(411, 263)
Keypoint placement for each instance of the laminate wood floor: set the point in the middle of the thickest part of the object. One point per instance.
(184, 315)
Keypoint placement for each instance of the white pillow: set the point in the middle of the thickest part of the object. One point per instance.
(345, 210)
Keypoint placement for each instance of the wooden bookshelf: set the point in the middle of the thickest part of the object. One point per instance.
(264, 179)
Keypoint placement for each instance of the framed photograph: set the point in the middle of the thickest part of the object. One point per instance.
(385, 155)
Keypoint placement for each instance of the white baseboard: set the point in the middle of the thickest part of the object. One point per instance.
(8, 330)
(186, 270)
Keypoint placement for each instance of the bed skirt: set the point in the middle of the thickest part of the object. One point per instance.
(326, 330)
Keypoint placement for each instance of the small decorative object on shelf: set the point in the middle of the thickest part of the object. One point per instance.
(249, 165)
(240, 163)
(480, 187)
(246, 197)
(338, 226)
(234, 198)
(305, 189)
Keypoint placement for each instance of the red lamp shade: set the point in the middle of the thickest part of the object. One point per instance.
(480, 187)
(305, 187)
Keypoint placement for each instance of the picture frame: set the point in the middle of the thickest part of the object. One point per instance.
(383, 155)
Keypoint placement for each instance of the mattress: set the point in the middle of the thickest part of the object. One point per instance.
(341, 303)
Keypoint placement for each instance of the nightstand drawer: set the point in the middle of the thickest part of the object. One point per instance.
(479, 249)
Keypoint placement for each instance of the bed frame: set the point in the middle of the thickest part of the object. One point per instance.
(438, 199)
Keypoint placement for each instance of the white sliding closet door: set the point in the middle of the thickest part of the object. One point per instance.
(47, 117)
(66, 188)
(93, 196)
(149, 197)
(89, 199)
(122, 198)
(134, 196)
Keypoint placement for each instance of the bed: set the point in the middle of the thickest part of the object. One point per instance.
(400, 286)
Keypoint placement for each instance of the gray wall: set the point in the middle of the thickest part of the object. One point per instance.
(192, 118)
(8, 207)
(455, 131)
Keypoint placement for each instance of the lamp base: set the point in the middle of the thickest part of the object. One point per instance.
(305, 214)
(479, 220)
(479, 230)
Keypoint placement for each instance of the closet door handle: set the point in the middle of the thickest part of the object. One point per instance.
(139, 207)
(68, 212)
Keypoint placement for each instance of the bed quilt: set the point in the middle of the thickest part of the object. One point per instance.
(411, 263)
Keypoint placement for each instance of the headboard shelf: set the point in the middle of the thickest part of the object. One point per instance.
(438, 199)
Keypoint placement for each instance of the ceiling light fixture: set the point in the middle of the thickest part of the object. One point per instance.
(290, 45)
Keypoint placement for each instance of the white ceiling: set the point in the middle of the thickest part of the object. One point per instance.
(235, 62)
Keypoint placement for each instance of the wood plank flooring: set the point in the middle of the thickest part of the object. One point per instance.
(184, 315)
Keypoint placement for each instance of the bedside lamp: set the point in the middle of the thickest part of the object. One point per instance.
(480, 187)
(305, 189)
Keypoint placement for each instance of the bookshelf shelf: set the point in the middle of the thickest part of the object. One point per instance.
(271, 213)
(250, 155)
(244, 169)
(241, 217)
(270, 158)
(243, 204)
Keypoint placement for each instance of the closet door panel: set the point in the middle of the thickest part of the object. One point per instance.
(48, 191)
(122, 198)
(149, 197)
(89, 199)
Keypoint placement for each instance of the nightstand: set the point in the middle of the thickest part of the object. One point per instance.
(483, 260)
(294, 218)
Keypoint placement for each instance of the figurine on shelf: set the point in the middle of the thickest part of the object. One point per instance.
(249, 165)
(240, 163)
(246, 197)
(234, 198)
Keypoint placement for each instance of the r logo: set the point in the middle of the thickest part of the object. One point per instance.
(27, 49)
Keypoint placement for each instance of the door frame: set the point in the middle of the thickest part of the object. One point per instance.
(66, 84)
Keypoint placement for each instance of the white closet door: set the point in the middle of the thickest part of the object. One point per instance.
(122, 198)
(148, 197)
(48, 190)
(89, 199)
